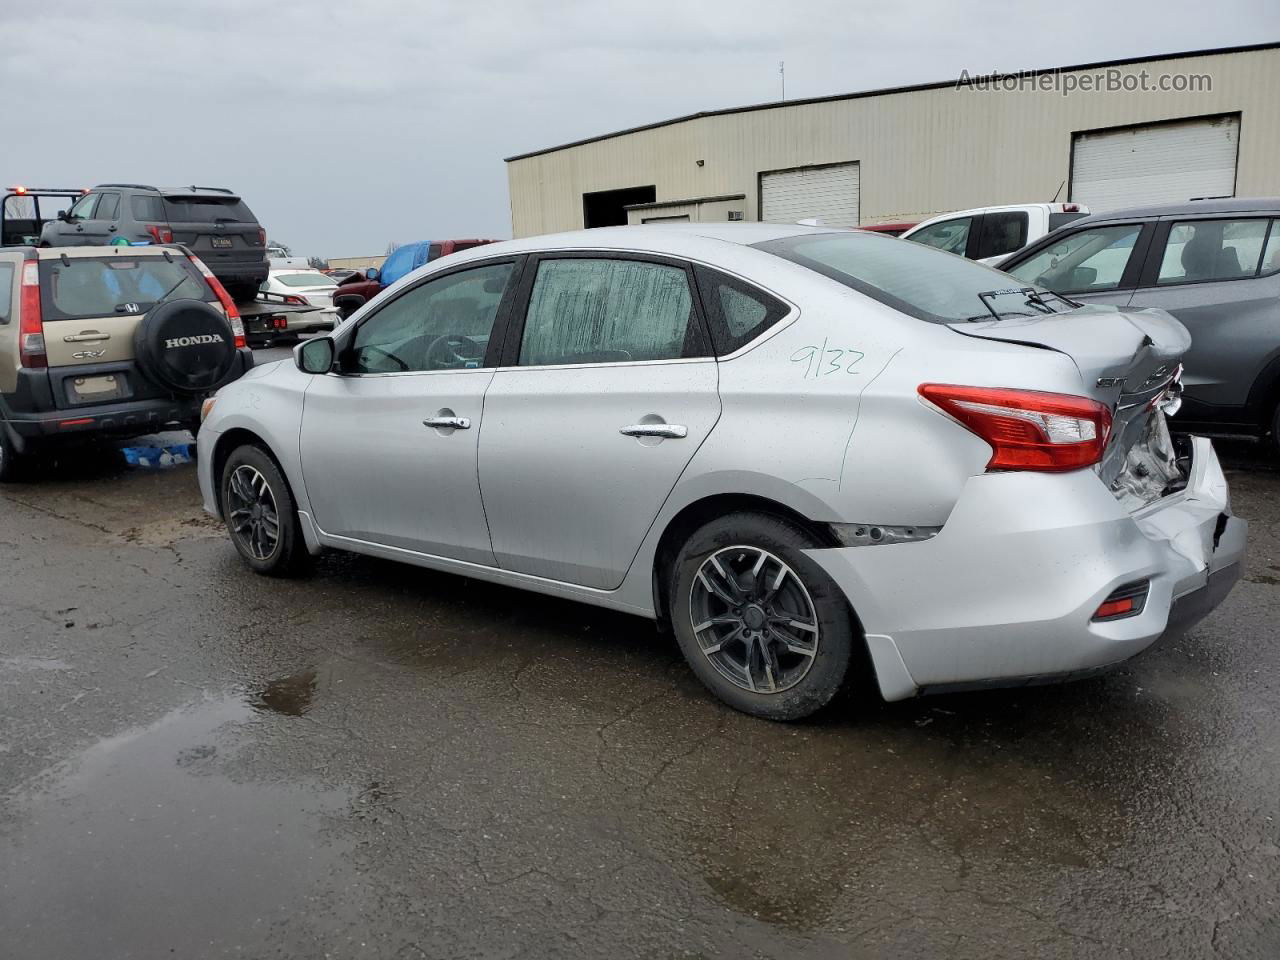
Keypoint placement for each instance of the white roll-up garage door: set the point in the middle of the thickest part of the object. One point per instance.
(1162, 163)
(828, 193)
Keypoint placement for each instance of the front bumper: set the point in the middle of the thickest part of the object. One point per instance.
(1005, 594)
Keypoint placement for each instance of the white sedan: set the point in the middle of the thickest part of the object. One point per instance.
(308, 287)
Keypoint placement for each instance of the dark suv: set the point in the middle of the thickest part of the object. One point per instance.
(1213, 264)
(211, 222)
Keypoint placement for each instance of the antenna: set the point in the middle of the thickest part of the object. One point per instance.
(1055, 196)
(782, 73)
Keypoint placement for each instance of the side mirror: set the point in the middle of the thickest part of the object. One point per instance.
(314, 355)
(64, 216)
(371, 273)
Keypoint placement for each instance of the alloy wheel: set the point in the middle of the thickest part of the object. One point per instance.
(753, 619)
(251, 505)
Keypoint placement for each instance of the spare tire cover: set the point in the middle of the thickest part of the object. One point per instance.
(185, 346)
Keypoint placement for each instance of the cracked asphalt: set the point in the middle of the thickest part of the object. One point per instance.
(380, 761)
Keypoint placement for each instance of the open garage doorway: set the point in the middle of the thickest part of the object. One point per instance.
(608, 208)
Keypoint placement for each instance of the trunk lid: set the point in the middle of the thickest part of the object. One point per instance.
(1129, 360)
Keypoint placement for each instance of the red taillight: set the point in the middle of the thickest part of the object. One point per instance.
(160, 234)
(30, 325)
(1127, 601)
(1027, 429)
(262, 237)
(1114, 608)
(224, 298)
(296, 300)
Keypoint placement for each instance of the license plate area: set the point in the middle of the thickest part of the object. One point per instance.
(222, 242)
(103, 389)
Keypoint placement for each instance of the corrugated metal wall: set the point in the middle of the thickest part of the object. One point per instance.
(919, 152)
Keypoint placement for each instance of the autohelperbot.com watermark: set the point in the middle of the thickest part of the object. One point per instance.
(1103, 80)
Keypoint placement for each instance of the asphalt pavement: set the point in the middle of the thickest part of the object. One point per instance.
(380, 761)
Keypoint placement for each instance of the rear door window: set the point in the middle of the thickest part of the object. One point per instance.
(1203, 250)
(82, 287)
(1082, 262)
(6, 290)
(1057, 220)
(1001, 233)
(108, 207)
(949, 235)
(737, 312)
(207, 210)
(603, 310)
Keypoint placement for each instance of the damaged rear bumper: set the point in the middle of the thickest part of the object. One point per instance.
(1007, 591)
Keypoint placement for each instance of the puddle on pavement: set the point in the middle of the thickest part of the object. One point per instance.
(147, 846)
(288, 696)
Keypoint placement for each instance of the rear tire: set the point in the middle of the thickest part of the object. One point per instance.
(13, 465)
(751, 612)
(261, 514)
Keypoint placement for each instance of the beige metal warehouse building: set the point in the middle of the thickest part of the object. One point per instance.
(1151, 130)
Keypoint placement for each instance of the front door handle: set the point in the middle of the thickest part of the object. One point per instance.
(454, 423)
(89, 336)
(668, 431)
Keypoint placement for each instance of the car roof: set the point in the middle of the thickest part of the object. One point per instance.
(1187, 208)
(675, 238)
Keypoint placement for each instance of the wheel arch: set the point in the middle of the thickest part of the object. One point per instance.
(228, 442)
(1264, 395)
(705, 509)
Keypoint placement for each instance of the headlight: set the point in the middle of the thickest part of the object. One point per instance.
(206, 408)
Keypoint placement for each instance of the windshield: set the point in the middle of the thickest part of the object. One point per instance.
(82, 287)
(916, 279)
(306, 280)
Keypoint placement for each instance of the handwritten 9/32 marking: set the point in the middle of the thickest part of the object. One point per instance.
(824, 360)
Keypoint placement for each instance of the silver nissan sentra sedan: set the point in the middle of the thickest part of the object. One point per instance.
(812, 453)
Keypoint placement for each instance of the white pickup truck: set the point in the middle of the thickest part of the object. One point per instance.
(989, 234)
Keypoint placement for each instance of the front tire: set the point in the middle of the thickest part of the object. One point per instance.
(261, 514)
(761, 625)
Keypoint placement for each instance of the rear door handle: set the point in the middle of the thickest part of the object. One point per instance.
(668, 431)
(456, 423)
(87, 337)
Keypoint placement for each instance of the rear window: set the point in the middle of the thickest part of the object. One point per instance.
(918, 280)
(207, 210)
(1057, 220)
(306, 280)
(81, 287)
(6, 290)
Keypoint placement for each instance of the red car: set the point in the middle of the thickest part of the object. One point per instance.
(892, 229)
(356, 290)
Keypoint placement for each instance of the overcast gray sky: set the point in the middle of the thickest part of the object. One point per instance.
(349, 124)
